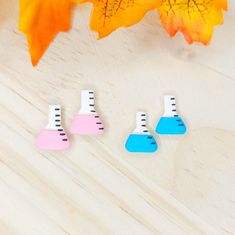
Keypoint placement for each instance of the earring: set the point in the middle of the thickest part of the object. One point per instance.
(87, 121)
(140, 140)
(53, 136)
(170, 123)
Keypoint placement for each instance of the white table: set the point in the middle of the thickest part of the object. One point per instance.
(96, 187)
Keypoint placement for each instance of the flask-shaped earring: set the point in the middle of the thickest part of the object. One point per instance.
(140, 140)
(87, 121)
(53, 136)
(170, 123)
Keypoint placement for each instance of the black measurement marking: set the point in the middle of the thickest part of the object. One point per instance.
(145, 131)
(178, 120)
(92, 105)
(99, 123)
(180, 124)
(58, 125)
(150, 137)
(60, 129)
(101, 128)
(57, 109)
(153, 143)
(93, 111)
(62, 134)
(97, 116)
(65, 139)
(172, 98)
(91, 92)
(143, 115)
(143, 125)
(57, 120)
(57, 115)
(91, 98)
(143, 120)
(173, 110)
(173, 104)
(176, 115)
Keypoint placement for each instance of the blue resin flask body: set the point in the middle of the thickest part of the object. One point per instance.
(141, 141)
(170, 123)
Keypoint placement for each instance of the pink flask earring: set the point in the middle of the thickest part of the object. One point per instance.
(53, 137)
(87, 121)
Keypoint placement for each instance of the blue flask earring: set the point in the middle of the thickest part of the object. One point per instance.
(140, 140)
(170, 123)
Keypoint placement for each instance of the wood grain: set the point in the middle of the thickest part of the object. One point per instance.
(95, 187)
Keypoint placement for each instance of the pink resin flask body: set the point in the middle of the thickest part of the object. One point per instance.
(87, 121)
(53, 136)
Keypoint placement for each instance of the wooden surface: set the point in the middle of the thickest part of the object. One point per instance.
(96, 187)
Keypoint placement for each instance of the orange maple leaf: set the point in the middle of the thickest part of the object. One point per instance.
(194, 18)
(41, 20)
(108, 15)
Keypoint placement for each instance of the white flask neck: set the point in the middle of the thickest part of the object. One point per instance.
(87, 102)
(170, 106)
(54, 117)
(141, 123)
